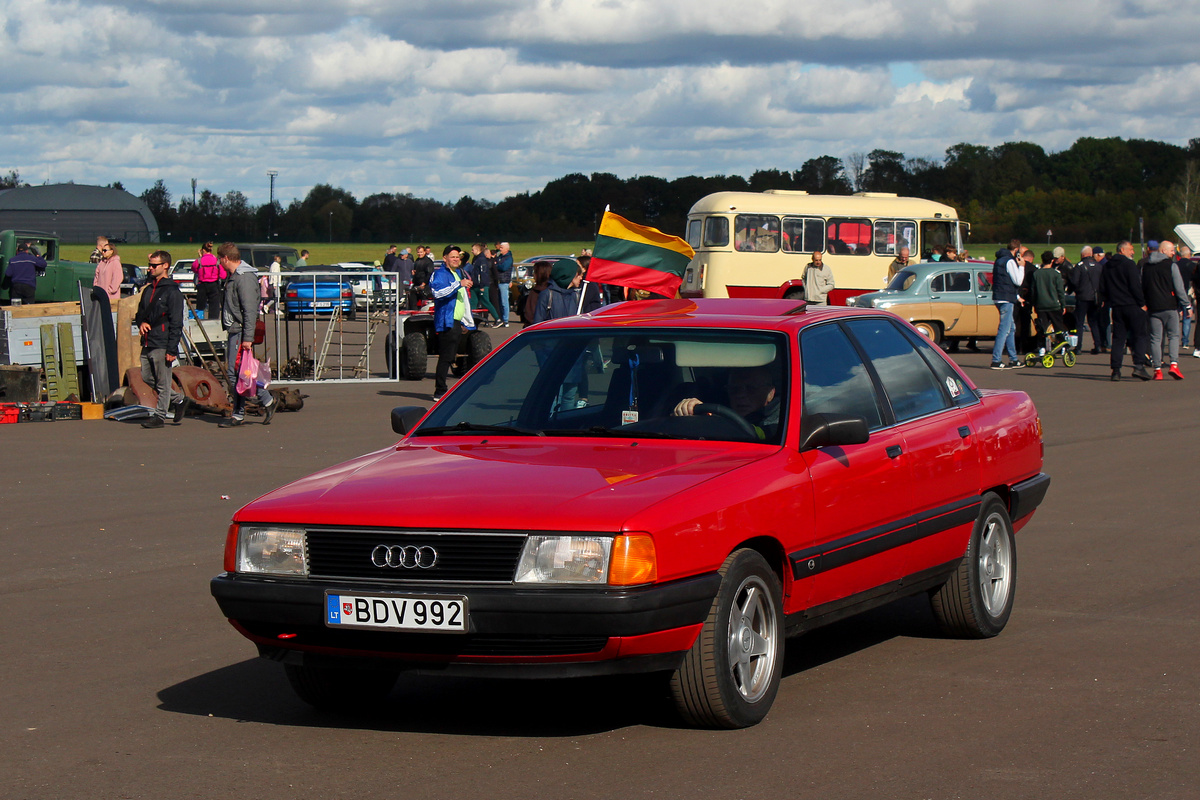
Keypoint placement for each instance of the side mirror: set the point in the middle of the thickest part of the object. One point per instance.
(825, 430)
(405, 418)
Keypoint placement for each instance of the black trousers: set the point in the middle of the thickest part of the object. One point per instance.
(447, 345)
(209, 297)
(1088, 311)
(21, 291)
(1052, 318)
(1129, 324)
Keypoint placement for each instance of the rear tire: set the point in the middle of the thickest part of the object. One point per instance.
(414, 356)
(341, 689)
(976, 602)
(731, 675)
(930, 330)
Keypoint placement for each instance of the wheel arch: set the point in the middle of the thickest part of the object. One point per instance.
(772, 552)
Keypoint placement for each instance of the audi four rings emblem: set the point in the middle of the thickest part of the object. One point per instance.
(407, 556)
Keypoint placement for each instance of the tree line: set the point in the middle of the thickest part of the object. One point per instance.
(1097, 190)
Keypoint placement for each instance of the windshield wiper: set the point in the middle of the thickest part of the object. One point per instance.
(622, 433)
(473, 427)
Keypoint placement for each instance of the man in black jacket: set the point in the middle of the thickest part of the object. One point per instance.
(1085, 282)
(421, 272)
(1121, 287)
(160, 321)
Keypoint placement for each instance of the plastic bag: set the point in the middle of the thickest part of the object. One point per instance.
(264, 374)
(247, 374)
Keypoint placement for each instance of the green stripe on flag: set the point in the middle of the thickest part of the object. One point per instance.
(640, 254)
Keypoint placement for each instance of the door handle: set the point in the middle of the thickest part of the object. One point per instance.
(964, 431)
(894, 451)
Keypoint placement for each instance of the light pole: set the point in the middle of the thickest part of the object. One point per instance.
(331, 227)
(271, 173)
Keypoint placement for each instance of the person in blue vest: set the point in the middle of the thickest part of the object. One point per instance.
(1008, 273)
(451, 313)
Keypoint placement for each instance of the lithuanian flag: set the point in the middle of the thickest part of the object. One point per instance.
(627, 254)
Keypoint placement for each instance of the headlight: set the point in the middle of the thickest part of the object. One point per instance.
(274, 551)
(565, 559)
(627, 560)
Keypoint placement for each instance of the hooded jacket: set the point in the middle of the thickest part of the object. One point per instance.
(1162, 285)
(1120, 282)
(161, 306)
(240, 311)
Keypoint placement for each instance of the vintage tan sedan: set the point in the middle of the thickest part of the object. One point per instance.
(944, 301)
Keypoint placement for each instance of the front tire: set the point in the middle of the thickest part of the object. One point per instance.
(340, 689)
(731, 675)
(414, 356)
(976, 602)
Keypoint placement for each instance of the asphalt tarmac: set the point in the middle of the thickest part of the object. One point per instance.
(123, 680)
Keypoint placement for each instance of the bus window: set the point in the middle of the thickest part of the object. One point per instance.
(850, 237)
(716, 232)
(802, 235)
(756, 233)
(934, 234)
(892, 234)
(693, 233)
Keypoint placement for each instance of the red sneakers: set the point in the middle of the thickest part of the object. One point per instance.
(1158, 374)
(1175, 373)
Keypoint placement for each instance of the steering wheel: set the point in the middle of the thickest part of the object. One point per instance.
(728, 413)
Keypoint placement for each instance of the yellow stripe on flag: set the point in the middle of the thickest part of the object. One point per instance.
(618, 227)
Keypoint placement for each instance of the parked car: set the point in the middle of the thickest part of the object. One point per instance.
(181, 273)
(945, 301)
(372, 289)
(318, 289)
(559, 512)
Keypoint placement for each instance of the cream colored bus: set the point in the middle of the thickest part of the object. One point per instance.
(757, 245)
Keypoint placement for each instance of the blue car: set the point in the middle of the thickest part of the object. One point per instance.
(319, 290)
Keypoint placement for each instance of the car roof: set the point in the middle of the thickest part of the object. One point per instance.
(764, 314)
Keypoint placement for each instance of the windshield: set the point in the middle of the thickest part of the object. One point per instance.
(902, 281)
(651, 383)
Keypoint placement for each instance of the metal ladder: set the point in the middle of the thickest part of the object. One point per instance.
(376, 321)
(334, 318)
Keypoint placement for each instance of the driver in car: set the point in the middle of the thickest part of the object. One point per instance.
(751, 393)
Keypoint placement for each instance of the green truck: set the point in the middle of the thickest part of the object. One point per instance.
(62, 278)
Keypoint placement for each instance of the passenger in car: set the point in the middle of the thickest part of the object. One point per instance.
(752, 394)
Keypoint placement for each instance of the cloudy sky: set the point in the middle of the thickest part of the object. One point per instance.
(444, 98)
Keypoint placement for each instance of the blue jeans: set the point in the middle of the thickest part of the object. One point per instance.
(504, 289)
(1006, 335)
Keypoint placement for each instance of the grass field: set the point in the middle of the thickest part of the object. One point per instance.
(324, 252)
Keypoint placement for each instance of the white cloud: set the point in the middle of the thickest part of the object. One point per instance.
(490, 97)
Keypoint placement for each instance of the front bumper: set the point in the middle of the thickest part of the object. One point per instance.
(514, 631)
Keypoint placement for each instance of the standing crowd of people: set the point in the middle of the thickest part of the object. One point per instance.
(1145, 306)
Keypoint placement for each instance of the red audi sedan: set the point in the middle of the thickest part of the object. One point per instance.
(669, 487)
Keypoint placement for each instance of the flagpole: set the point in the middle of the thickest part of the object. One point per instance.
(582, 292)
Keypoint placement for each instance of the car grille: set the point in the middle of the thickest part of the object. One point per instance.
(461, 557)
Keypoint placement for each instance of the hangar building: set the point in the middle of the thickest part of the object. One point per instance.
(77, 213)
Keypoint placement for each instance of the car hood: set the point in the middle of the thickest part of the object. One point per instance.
(1189, 235)
(505, 484)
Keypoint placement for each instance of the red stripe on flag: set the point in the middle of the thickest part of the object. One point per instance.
(602, 270)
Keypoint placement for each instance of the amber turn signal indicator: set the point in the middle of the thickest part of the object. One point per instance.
(231, 541)
(633, 562)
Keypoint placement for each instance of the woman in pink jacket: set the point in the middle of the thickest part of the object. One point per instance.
(108, 270)
(209, 287)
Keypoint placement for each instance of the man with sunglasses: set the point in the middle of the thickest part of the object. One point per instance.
(160, 321)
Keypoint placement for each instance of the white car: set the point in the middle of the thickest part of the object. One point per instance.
(182, 274)
(373, 289)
